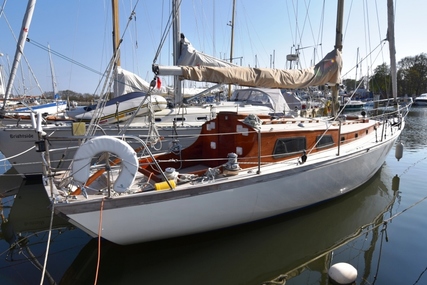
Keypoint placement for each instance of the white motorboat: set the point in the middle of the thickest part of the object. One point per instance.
(421, 100)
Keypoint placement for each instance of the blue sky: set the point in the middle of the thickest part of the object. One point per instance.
(81, 31)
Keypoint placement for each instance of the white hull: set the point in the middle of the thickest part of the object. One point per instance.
(244, 198)
(420, 102)
(17, 143)
(127, 105)
(48, 108)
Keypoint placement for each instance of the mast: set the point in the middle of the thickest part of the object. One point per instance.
(357, 67)
(338, 46)
(232, 41)
(2, 91)
(392, 47)
(52, 72)
(116, 42)
(20, 47)
(176, 47)
(232, 31)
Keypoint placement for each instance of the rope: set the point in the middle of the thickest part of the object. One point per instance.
(16, 155)
(48, 243)
(99, 241)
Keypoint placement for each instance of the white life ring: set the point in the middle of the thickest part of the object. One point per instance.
(128, 167)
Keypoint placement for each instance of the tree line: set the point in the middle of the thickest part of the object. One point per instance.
(411, 77)
(72, 96)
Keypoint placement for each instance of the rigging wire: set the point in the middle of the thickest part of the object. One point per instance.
(108, 83)
(62, 56)
(364, 58)
(48, 242)
(23, 55)
(165, 33)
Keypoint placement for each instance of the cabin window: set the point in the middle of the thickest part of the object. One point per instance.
(241, 95)
(258, 97)
(324, 141)
(289, 146)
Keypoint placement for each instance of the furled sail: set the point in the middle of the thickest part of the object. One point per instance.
(128, 82)
(189, 56)
(328, 70)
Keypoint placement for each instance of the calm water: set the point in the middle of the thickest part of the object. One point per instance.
(380, 229)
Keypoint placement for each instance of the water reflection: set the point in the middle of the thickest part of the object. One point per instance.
(10, 180)
(25, 220)
(251, 254)
(415, 136)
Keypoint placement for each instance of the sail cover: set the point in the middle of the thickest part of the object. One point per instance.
(328, 70)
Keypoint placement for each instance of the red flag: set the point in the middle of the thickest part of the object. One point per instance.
(158, 82)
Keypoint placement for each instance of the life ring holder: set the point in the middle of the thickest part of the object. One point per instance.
(128, 167)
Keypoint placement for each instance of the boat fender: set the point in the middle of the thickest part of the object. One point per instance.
(342, 273)
(399, 151)
(39, 127)
(165, 185)
(395, 183)
(33, 120)
(84, 154)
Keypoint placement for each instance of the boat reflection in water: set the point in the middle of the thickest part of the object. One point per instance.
(258, 253)
(25, 223)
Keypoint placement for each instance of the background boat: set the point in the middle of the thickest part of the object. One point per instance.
(421, 100)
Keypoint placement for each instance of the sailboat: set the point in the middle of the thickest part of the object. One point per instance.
(242, 168)
(176, 126)
(129, 96)
(52, 108)
(18, 113)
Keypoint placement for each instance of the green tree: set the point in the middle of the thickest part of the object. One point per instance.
(412, 75)
(380, 82)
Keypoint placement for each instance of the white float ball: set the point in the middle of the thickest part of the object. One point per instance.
(342, 273)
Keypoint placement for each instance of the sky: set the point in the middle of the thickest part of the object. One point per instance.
(265, 32)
